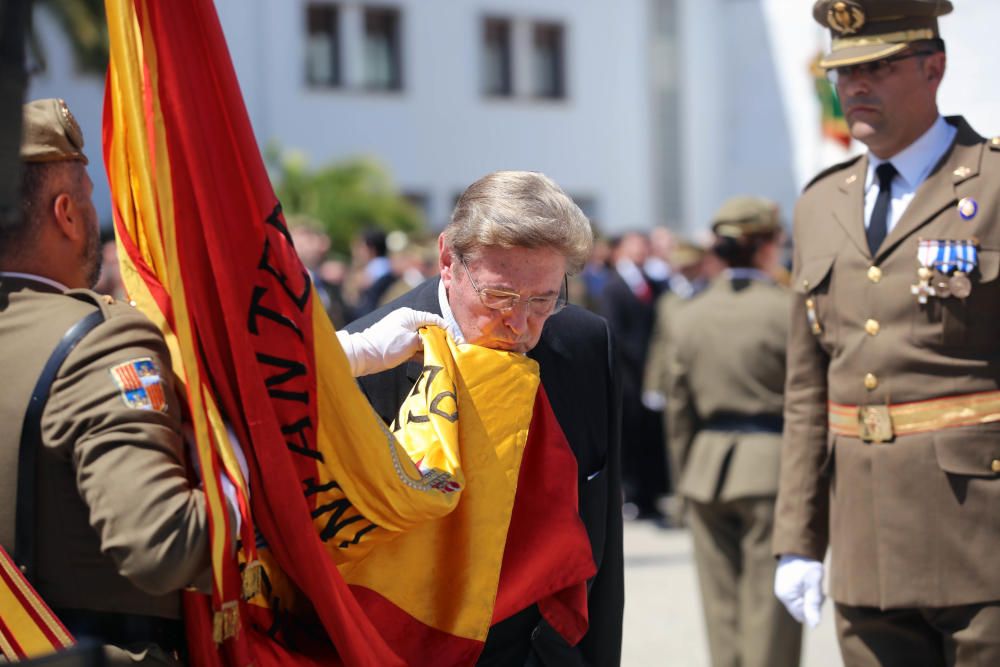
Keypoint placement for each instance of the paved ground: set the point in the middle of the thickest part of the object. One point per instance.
(663, 621)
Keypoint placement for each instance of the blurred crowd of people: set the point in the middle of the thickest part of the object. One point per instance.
(632, 279)
(382, 266)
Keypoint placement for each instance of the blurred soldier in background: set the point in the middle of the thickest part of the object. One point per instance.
(97, 508)
(724, 403)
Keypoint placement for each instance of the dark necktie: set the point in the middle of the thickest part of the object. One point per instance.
(879, 224)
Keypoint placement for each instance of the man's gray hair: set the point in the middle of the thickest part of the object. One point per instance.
(519, 209)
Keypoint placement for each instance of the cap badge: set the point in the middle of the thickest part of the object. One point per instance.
(845, 17)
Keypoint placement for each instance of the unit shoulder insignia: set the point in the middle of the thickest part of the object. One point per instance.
(140, 385)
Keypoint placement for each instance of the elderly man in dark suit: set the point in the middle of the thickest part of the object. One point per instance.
(504, 257)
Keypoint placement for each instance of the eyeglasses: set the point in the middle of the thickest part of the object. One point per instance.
(495, 299)
(876, 70)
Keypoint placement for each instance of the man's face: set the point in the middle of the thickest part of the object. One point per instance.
(529, 272)
(890, 104)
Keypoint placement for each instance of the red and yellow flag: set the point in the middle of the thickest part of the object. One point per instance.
(333, 496)
(28, 628)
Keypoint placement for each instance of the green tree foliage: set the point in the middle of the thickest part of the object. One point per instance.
(345, 197)
(84, 24)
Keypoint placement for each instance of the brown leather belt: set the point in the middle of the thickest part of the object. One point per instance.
(881, 423)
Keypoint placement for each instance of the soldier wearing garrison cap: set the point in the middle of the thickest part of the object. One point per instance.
(96, 507)
(891, 453)
(726, 377)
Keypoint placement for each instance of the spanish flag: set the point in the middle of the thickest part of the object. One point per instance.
(333, 494)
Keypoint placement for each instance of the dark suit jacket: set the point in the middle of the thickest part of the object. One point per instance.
(632, 322)
(575, 359)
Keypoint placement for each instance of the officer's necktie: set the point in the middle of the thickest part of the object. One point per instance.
(879, 224)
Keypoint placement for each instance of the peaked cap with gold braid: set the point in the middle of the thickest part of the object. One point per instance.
(869, 30)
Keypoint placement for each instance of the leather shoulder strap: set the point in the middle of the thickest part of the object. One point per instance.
(31, 444)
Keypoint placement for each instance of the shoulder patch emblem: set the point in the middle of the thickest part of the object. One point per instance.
(140, 384)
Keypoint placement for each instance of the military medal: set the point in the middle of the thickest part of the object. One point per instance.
(960, 285)
(960, 256)
(964, 255)
(942, 288)
(924, 289)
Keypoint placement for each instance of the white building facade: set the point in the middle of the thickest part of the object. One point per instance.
(645, 111)
(445, 91)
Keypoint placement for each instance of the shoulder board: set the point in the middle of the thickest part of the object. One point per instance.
(994, 144)
(103, 302)
(830, 170)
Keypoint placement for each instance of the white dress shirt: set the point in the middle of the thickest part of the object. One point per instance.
(913, 165)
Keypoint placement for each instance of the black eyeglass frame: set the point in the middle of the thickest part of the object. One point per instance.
(872, 68)
(558, 302)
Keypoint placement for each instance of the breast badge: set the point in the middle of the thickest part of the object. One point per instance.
(967, 208)
(140, 384)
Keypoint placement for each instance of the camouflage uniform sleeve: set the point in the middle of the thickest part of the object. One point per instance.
(114, 415)
(802, 510)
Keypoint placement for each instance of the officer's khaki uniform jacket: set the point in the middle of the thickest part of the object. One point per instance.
(727, 359)
(912, 522)
(119, 527)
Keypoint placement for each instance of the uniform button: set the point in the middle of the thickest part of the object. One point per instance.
(872, 327)
(871, 381)
(995, 466)
(24, 568)
(874, 274)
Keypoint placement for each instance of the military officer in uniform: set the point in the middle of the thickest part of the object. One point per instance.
(726, 358)
(891, 453)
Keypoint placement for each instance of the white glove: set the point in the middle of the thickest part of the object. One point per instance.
(654, 400)
(798, 583)
(387, 343)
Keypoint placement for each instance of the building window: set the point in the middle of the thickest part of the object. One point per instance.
(323, 45)
(548, 62)
(497, 58)
(382, 62)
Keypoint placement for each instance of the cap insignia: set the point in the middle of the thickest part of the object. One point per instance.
(845, 17)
